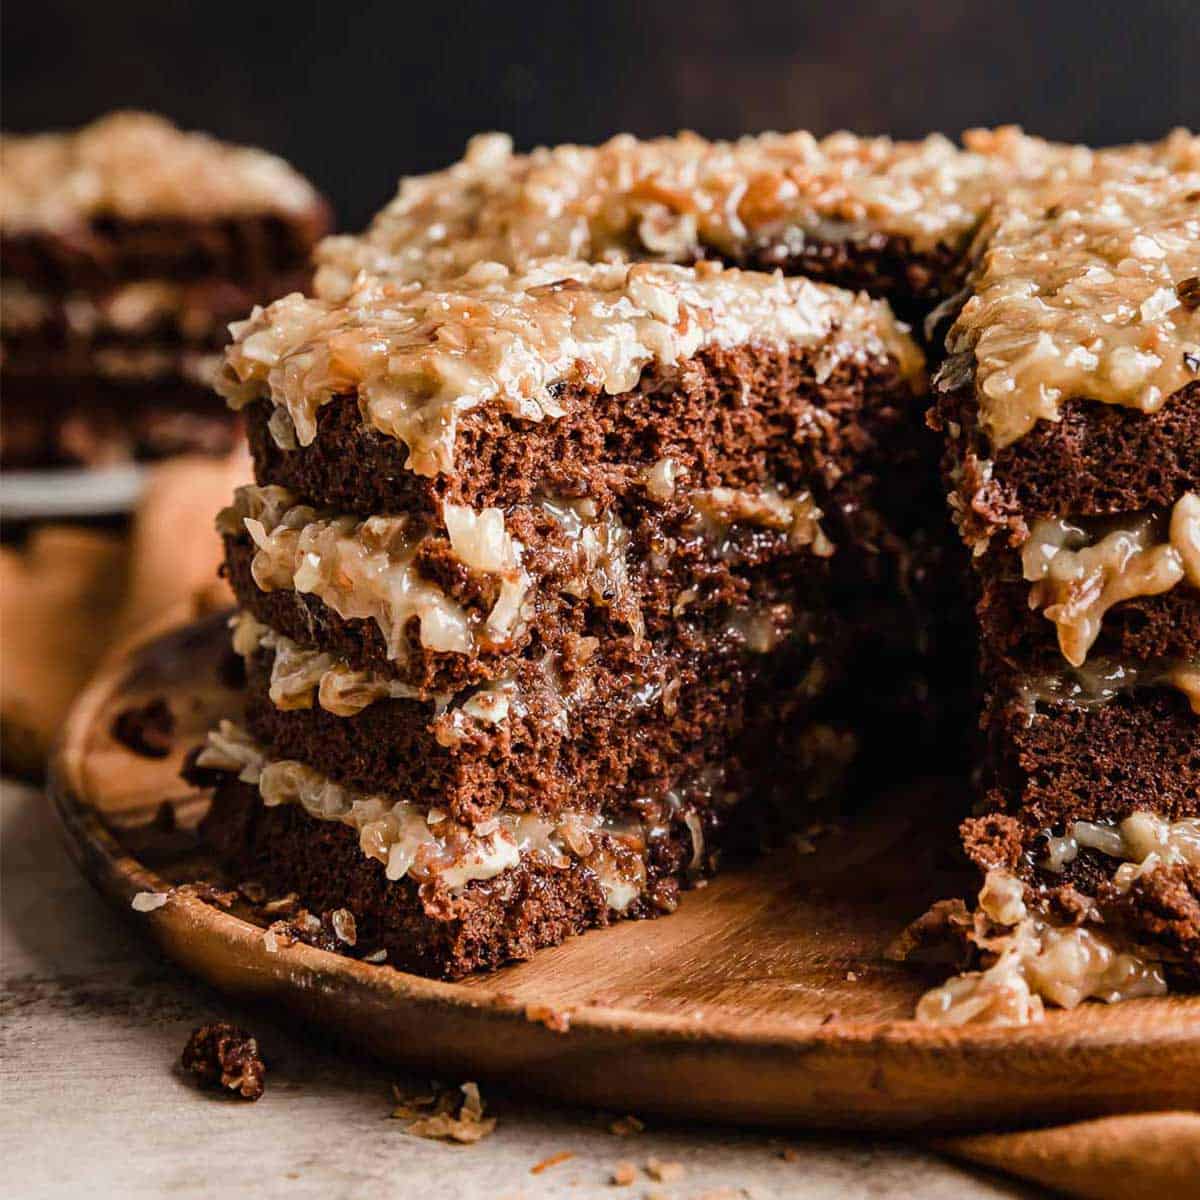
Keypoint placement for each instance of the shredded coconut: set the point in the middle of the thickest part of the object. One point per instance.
(428, 845)
(1033, 962)
(1083, 292)
(1077, 579)
(675, 198)
(136, 166)
(417, 359)
(363, 568)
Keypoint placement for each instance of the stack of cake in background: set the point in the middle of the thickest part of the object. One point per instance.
(126, 248)
(535, 576)
(467, 432)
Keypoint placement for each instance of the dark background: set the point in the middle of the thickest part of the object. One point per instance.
(357, 94)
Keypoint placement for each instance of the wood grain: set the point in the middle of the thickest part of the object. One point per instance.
(766, 998)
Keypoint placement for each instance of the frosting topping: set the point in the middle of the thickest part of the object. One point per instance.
(673, 198)
(419, 358)
(1088, 291)
(137, 166)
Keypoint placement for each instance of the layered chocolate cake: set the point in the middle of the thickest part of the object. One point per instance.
(1070, 401)
(126, 248)
(640, 529)
(538, 568)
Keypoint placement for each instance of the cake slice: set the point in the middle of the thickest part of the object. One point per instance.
(540, 572)
(1071, 401)
(126, 248)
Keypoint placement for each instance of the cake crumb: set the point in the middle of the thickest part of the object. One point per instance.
(283, 904)
(145, 902)
(220, 1054)
(626, 1126)
(665, 1172)
(623, 1174)
(851, 977)
(145, 729)
(344, 926)
(557, 1020)
(552, 1161)
(433, 1115)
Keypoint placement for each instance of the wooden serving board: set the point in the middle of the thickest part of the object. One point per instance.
(766, 998)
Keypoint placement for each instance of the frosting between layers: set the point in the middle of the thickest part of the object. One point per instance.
(363, 567)
(131, 308)
(137, 166)
(1143, 841)
(298, 675)
(1034, 961)
(428, 847)
(1087, 291)
(1098, 682)
(1077, 577)
(417, 359)
(673, 198)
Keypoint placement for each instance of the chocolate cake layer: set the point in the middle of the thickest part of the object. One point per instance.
(597, 734)
(432, 929)
(1053, 763)
(1096, 460)
(106, 252)
(888, 267)
(734, 417)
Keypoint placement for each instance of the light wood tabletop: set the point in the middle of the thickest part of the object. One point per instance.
(93, 1024)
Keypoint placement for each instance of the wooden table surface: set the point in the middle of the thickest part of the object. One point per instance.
(93, 1102)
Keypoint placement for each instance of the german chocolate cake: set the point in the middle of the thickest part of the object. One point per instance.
(126, 248)
(599, 519)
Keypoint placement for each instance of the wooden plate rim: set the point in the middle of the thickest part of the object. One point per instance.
(1173, 1031)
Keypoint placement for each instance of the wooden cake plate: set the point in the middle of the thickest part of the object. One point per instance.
(766, 998)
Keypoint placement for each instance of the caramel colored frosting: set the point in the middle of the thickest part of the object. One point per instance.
(1142, 841)
(676, 198)
(1100, 680)
(427, 846)
(1078, 576)
(364, 568)
(1032, 961)
(1089, 291)
(419, 358)
(135, 166)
